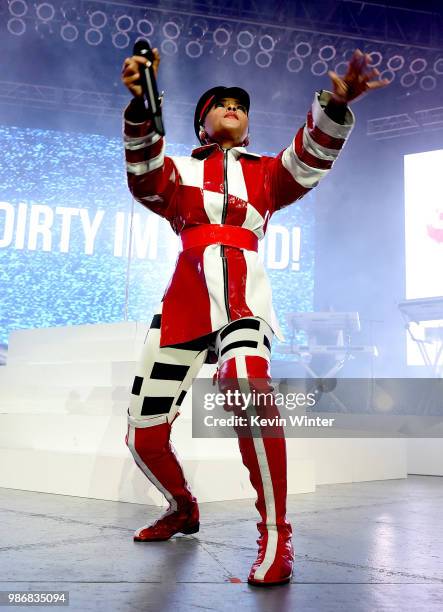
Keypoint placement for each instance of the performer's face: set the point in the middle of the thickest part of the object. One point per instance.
(227, 120)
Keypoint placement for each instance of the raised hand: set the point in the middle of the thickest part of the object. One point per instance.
(357, 80)
(131, 72)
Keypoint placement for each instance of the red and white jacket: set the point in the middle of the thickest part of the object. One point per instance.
(213, 285)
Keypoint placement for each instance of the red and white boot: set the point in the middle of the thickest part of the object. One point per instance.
(265, 458)
(156, 457)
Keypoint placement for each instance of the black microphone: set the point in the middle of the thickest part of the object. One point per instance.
(149, 85)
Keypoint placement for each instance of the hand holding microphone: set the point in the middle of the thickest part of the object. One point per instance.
(139, 75)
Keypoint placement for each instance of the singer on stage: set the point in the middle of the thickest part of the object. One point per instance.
(217, 306)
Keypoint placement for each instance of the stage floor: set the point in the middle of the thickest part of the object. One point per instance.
(370, 546)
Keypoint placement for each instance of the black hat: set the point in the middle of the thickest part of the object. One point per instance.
(216, 93)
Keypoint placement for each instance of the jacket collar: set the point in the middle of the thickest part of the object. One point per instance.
(206, 150)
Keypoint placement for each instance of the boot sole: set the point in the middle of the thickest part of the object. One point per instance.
(262, 583)
(186, 531)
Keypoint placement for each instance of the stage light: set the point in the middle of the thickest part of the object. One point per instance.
(319, 68)
(120, 39)
(241, 56)
(408, 79)
(44, 29)
(194, 48)
(222, 35)
(396, 62)
(69, 32)
(218, 52)
(145, 27)
(169, 46)
(124, 23)
(93, 36)
(171, 29)
(387, 74)
(263, 59)
(245, 39)
(18, 8)
(97, 19)
(266, 43)
(428, 82)
(16, 26)
(303, 49)
(327, 53)
(45, 11)
(341, 68)
(376, 58)
(69, 11)
(438, 65)
(198, 29)
(418, 65)
(294, 64)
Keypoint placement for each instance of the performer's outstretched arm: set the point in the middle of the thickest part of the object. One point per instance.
(152, 177)
(318, 143)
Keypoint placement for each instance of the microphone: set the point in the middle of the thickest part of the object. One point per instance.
(149, 85)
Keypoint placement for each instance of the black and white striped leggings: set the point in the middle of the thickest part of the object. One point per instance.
(164, 375)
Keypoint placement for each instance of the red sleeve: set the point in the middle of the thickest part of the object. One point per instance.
(311, 154)
(152, 177)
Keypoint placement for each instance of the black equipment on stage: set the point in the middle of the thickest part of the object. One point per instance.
(328, 334)
(430, 344)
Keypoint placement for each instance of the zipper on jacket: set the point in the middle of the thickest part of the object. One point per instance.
(222, 248)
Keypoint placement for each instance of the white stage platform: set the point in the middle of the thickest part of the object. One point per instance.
(63, 402)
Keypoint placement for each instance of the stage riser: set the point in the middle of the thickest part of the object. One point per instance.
(117, 478)
(78, 351)
(21, 338)
(94, 374)
(425, 456)
(63, 402)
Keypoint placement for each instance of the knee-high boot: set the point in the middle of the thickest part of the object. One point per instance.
(155, 456)
(264, 455)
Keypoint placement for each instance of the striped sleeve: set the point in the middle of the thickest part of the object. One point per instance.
(152, 176)
(311, 154)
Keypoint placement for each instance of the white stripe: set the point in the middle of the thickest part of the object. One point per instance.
(190, 171)
(325, 123)
(258, 293)
(245, 334)
(144, 422)
(236, 179)
(153, 199)
(213, 270)
(315, 149)
(271, 546)
(254, 221)
(150, 353)
(213, 205)
(147, 166)
(147, 471)
(237, 151)
(134, 144)
(305, 175)
(195, 361)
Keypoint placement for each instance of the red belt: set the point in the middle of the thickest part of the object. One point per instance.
(211, 233)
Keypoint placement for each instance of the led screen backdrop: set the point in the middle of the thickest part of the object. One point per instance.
(65, 221)
(423, 231)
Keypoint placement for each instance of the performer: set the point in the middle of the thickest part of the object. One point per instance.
(218, 303)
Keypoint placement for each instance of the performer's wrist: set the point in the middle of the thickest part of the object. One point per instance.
(336, 110)
(136, 111)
